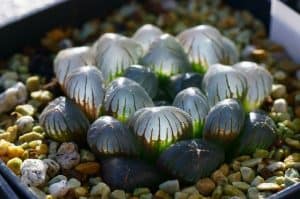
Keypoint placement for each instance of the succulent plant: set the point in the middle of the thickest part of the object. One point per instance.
(182, 81)
(109, 137)
(222, 82)
(224, 122)
(259, 132)
(145, 77)
(63, 121)
(206, 46)
(259, 82)
(85, 86)
(231, 51)
(128, 174)
(166, 57)
(195, 103)
(158, 127)
(145, 36)
(69, 59)
(190, 160)
(123, 97)
(114, 53)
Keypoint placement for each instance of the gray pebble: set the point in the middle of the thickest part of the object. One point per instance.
(253, 193)
(291, 173)
(25, 124)
(276, 166)
(170, 186)
(257, 180)
(278, 91)
(248, 174)
(73, 183)
(251, 163)
(57, 179)
(118, 194)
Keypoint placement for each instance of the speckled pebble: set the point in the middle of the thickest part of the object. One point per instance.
(67, 155)
(33, 172)
(53, 167)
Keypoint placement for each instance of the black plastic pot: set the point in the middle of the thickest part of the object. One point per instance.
(30, 29)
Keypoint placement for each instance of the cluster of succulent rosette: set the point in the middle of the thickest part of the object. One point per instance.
(155, 102)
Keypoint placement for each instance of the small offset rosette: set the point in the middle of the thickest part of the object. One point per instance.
(190, 160)
(224, 122)
(259, 132)
(63, 121)
(109, 137)
(206, 46)
(85, 86)
(158, 127)
(182, 81)
(166, 57)
(128, 174)
(114, 53)
(222, 82)
(259, 82)
(145, 36)
(123, 97)
(195, 103)
(145, 77)
(70, 59)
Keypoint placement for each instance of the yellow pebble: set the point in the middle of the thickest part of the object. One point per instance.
(5, 136)
(25, 155)
(81, 191)
(30, 137)
(50, 197)
(33, 83)
(4, 147)
(15, 165)
(42, 149)
(35, 143)
(15, 151)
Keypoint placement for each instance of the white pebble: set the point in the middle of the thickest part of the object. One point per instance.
(59, 189)
(12, 96)
(33, 172)
(280, 106)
